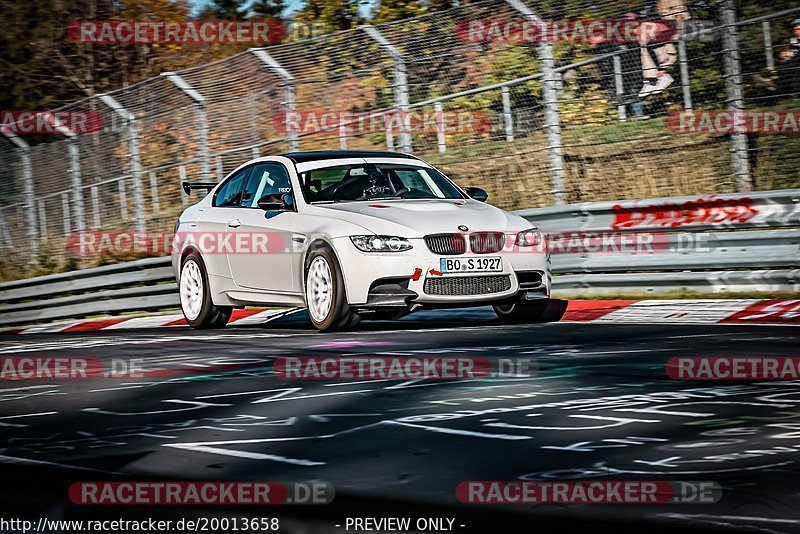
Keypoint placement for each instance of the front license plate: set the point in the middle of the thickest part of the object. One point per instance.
(492, 264)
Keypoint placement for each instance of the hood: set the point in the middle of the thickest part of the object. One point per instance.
(412, 218)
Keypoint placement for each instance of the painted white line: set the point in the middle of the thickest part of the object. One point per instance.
(244, 454)
(732, 518)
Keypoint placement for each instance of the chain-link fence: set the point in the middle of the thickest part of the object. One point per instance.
(535, 122)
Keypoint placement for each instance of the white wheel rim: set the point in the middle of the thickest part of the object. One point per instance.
(191, 290)
(319, 289)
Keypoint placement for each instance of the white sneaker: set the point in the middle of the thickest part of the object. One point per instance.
(647, 90)
(662, 83)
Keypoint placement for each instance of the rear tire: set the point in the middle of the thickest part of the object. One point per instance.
(325, 292)
(522, 312)
(195, 295)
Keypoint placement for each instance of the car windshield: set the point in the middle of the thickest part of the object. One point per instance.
(370, 181)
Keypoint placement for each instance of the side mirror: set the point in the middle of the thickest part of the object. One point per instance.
(283, 202)
(477, 193)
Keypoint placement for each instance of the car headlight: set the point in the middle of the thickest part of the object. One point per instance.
(530, 238)
(380, 243)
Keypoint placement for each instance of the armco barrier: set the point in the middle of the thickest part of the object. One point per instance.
(710, 244)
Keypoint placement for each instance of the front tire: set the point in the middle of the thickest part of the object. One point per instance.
(522, 312)
(195, 295)
(325, 292)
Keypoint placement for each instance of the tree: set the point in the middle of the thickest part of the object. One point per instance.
(268, 10)
(391, 10)
(226, 10)
(335, 14)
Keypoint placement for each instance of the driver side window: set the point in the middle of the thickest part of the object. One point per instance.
(230, 194)
(266, 180)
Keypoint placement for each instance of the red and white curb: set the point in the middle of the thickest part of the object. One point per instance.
(701, 311)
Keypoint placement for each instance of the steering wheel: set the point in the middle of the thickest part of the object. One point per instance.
(399, 193)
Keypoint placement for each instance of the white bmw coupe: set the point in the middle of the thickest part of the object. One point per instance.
(352, 234)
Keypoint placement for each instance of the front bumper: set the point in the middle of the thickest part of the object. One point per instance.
(361, 270)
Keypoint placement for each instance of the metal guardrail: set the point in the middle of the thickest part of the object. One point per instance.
(140, 285)
(710, 244)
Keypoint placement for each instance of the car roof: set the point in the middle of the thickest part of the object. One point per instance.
(317, 155)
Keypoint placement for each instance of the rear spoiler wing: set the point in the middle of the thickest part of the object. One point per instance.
(188, 186)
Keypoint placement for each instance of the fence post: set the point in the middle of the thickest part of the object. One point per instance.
(441, 140)
(220, 169)
(768, 43)
(154, 193)
(42, 220)
(400, 86)
(202, 121)
(508, 117)
(74, 170)
(136, 160)
(5, 233)
(685, 83)
(181, 179)
(95, 194)
(552, 118)
(289, 102)
(619, 85)
(733, 82)
(65, 210)
(27, 188)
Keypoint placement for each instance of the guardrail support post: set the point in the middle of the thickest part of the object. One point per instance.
(136, 160)
(27, 188)
(400, 86)
(552, 118)
(202, 121)
(289, 102)
(733, 79)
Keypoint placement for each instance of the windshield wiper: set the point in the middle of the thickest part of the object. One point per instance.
(384, 197)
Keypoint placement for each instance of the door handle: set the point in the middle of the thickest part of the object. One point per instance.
(234, 223)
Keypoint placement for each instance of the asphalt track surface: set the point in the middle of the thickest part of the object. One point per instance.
(399, 448)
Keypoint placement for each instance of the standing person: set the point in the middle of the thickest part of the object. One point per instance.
(658, 56)
(784, 78)
(789, 68)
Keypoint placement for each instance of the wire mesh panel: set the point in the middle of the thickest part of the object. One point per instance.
(770, 64)
(241, 96)
(337, 73)
(167, 121)
(442, 57)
